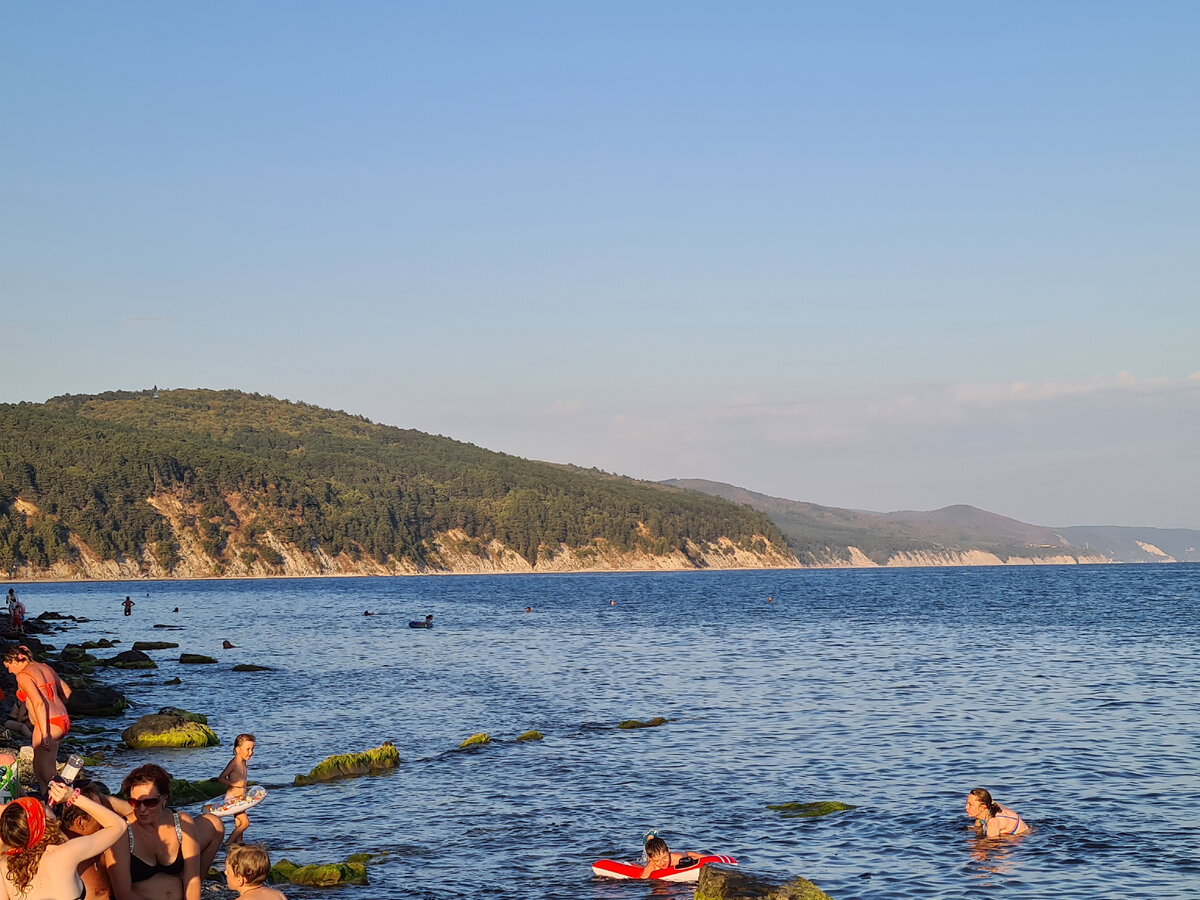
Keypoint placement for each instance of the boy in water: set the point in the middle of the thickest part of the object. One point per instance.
(246, 868)
(234, 775)
(660, 856)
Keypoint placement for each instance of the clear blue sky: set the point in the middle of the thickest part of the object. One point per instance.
(879, 255)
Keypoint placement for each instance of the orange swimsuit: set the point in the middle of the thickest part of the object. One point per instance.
(63, 722)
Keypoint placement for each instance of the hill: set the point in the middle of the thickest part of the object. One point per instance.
(197, 483)
(955, 535)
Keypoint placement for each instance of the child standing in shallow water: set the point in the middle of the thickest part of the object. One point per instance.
(246, 868)
(234, 776)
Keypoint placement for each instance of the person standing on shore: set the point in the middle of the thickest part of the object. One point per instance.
(45, 697)
(234, 777)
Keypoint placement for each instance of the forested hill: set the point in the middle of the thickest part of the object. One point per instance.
(195, 483)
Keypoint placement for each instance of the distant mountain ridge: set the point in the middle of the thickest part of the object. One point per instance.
(954, 535)
(200, 483)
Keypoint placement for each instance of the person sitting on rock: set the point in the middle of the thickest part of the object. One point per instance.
(40, 863)
(76, 823)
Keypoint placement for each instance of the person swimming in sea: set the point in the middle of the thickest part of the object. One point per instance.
(660, 856)
(992, 819)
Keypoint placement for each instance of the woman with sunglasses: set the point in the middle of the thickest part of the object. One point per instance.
(39, 863)
(45, 697)
(164, 855)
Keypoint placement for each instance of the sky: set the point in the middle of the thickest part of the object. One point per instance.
(865, 254)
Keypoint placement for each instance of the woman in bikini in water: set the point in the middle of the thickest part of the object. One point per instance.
(45, 697)
(39, 863)
(992, 819)
(166, 850)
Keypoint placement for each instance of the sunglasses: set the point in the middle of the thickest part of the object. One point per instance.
(148, 802)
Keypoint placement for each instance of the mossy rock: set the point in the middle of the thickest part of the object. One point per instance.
(175, 680)
(635, 723)
(195, 659)
(129, 659)
(102, 644)
(530, 736)
(96, 700)
(250, 667)
(154, 645)
(719, 883)
(368, 762)
(809, 810)
(475, 739)
(186, 793)
(183, 713)
(76, 653)
(157, 730)
(350, 872)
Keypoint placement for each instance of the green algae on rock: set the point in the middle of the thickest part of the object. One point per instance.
(634, 723)
(185, 793)
(287, 872)
(368, 762)
(183, 713)
(158, 730)
(474, 739)
(809, 810)
(195, 659)
(717, 883)
(533, 735)
(129, 659)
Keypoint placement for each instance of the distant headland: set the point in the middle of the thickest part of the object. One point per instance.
(227, 484)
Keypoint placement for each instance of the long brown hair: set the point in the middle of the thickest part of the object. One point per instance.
(23, 860)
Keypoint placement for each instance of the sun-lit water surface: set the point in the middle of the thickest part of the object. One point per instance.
(1069, 692)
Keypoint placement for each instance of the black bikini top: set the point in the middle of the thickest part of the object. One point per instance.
(140, 870)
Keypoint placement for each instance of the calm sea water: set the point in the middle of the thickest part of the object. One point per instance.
(1070, 692)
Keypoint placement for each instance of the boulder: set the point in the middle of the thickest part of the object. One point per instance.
(176, 680)
(195, 658)
(76, 653)
(287, 872)
(154, 645)
(48, 614)
(530, 736)
(158, 730)
(96, 700)
(634, 723)
(718, 883)
(809, 810)
(250, 667)
(186, 793)
(129, 659)
(474, 740)
(369, 762)
(190, 716)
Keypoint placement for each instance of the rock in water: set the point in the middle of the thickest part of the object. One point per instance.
(718, 883)
(96, 700)
(369, 762)
(195, 658)
(158, 730)
(129, 659)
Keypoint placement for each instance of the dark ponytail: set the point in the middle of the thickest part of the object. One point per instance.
(985, 798)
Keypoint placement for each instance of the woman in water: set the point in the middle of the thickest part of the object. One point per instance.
(992, 819)
(39, 862)
(45, 697)
(166, 850)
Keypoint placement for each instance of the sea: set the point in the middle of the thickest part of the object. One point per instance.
(1072, 693)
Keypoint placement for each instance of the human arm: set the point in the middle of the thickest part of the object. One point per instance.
(116, 867)
(224, 778)
(112, 826)
(64, 689)
(191, 858)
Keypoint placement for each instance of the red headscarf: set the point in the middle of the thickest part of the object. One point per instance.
(35, 816)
